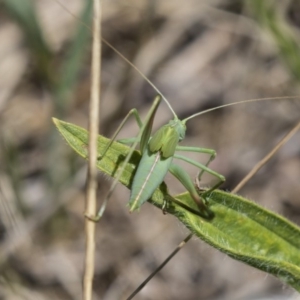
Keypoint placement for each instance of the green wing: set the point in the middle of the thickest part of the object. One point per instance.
(156, 142)
(165, 140)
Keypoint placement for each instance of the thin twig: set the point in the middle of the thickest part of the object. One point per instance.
(262, 162)
(92, 171)
(177, 249)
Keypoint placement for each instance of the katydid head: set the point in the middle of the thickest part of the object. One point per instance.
(179, 127)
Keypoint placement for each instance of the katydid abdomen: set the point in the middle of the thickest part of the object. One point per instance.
(149, 175)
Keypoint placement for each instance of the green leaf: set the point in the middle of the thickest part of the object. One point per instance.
(242, 229)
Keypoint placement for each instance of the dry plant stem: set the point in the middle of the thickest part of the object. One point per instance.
(254, 170)
(259, 165)
(92, 162)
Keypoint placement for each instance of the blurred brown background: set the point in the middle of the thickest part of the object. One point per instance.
(200, 54)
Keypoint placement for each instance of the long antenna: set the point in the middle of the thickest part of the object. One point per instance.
(141, 73)
(157, 90)
(124, 58)
(236, 103)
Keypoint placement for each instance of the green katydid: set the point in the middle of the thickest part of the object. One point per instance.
(158, 152)
(157, 156)
(173, 133)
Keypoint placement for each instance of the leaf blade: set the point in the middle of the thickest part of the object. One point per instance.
(241, 229)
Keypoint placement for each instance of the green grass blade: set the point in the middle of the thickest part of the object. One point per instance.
(23, 12)
(268, 14)
(242, 229)
(74, 58)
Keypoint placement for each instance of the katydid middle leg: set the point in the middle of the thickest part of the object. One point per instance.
(212, 154)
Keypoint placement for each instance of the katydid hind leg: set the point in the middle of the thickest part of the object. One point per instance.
(186, 181)
(146, 133)
(147, 126)
(143, 128)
